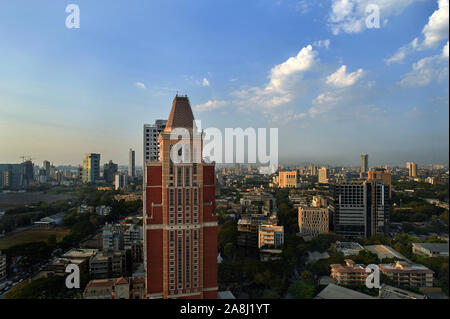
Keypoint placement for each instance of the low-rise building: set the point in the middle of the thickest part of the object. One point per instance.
(108, 264)
(113, 237)
(287, 179)
(430, 249)
(247, 232)
(270, 236)
(349, 274)
(103, 210)
(406, 274)
(115, 288)
(313, 221)
(44, 223)
(348, 248)
(82, 209)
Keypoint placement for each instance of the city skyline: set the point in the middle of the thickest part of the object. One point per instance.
(334, 89)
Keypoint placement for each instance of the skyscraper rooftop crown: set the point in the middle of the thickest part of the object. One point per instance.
(181, 114)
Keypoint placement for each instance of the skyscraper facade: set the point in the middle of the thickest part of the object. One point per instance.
(11, 175)
(131, 163)
(381, 175)
(120, 180)
(412, 169)
(151, 143)
(180, 227)
(364, 163)
(361, 208)
(46, 167)
(323, 175)
(109, 170)
(91, 168)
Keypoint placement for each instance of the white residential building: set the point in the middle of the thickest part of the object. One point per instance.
(151, 144)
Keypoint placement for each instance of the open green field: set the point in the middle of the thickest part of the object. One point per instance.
(11, 200)
(31, 235)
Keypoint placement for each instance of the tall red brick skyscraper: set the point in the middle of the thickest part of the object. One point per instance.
(180, 228)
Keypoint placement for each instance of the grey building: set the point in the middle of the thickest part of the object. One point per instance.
(108, 264)
(113, 237)
(11, 175)
(131, 163)
(364, 163)
(361, 208)
(151, 144)
(109, 170)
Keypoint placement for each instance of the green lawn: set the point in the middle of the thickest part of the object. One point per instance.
(31, 235)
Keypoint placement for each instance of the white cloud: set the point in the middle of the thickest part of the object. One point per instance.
(324, 103)
(286, 116)
(281, 73)
(210, 105)
(205, 82)
(322, 43)
(445, 51)
(341, 78)
(283, 85)
(436, 30)
(398, 57)
(426, 70)
(140, 85)
(350, 16)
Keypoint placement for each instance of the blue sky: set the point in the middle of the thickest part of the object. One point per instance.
(333, 87)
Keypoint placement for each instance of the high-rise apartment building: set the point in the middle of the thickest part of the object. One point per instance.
(323, 175)
(28, 173)
(91, 168)
(237, 169)
(313, 169)
(131, 163)
(364, 163)
(109, 170)
(151, 143)
(382, 176)
(361, 208)
(11, 175)
(180, 226)
(412, 169)
(120, 180)
(46, 167)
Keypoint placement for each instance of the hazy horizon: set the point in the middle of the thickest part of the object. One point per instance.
(333, 87)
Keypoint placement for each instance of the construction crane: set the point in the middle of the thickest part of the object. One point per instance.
(26, 158)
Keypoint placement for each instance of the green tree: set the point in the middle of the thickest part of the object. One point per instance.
(302, 289)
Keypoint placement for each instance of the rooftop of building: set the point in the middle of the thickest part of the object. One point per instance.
(114, 281)
(383, 251)
(333, 291)
(403, 266)
(349, 267)
(181, 115)
(389, 292)
(80, 253)
(434, 247)
(225, 295)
